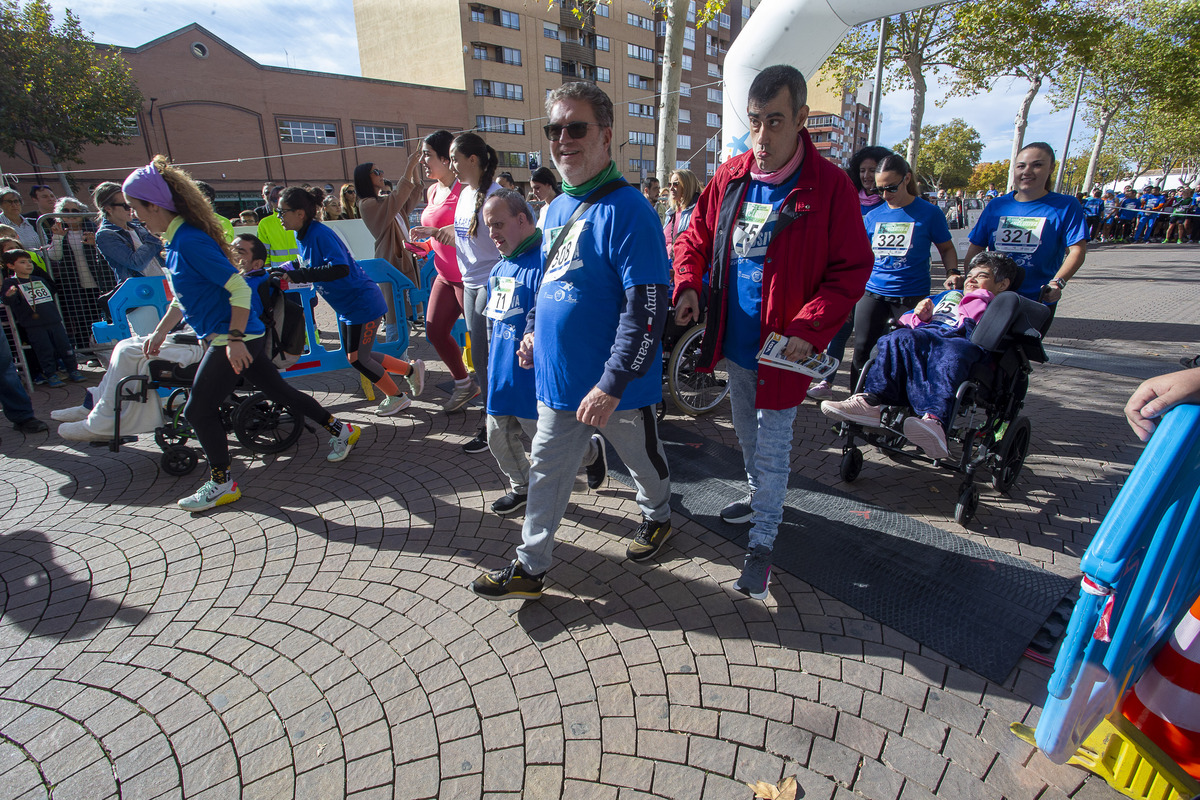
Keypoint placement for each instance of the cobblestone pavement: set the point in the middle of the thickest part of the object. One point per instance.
(316, 638)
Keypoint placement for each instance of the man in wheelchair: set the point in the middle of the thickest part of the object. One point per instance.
(922, 364)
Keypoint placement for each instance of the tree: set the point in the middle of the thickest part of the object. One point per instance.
(1033, 40)
(987, 174)
(916, 42)
(949, 154)
(57, 92)
(1153, 138)
(1109, 168)
(672, 72)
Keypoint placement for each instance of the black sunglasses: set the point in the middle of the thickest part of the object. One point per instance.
(376, 171)
(576, 130)
(125, 206)
(895, 187)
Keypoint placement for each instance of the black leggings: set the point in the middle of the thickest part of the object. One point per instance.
(360, 339)
(871, 317)
(215, 380)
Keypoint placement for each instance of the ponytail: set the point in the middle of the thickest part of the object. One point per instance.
(471, 144)
(190, 202)
(308, 200)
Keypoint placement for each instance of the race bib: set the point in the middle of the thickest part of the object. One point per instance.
(751, 220)
(568, 254)
(1019, 234)
(892, 238)
(36, 293)
(504, 291)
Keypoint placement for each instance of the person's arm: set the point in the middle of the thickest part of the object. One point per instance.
(329, 272)
(240, 296)
(950, 261)
(639, 332)
(1071, 264)
(1159, 395)
(444, 235)
(165, 325)
(118, 251)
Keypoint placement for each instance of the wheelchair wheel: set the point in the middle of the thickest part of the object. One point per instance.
(178, 460)
(1010, 455)
(694, 393)
(852, 461)
(264, 426)
(968, 504)
(176, 401)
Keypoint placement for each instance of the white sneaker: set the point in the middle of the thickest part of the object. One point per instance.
(210, 495)
(416, 377)
(393, 405)
(927, 433)
(72, 414)
(820, 391)
(340, 445)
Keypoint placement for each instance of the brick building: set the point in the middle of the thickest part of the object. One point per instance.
(206, 101)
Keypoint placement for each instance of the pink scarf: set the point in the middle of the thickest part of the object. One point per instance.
(865, 199)
(783, 173)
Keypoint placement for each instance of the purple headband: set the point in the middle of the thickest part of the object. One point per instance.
(148, 185)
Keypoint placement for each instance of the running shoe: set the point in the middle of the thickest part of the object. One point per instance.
(739, 512)
(461, 396)
(648, 540)
(597, 471)
(820, 391)
(416, 377)
(72, 414)
(477, 445)
(75, 376)
(31, 425)
(926, 433)
(1187, 362)
(340, 445)
(211, 495)
(53, 381)
(39, 380)
(510, 503)
(512, 581)
(855, 409)
(756, 573)
(393, 405)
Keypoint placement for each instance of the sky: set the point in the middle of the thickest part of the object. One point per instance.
(319, 35)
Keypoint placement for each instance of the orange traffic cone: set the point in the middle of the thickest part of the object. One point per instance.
(1165, 703)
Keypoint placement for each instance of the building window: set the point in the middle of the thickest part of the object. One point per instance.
(689, 38)
(510, 19)
(682, 164)
(711, 170)
(685, 89)
(712, 145)
(641, 137)
(714, 71)
(724, 18)
(303, 131)
(641, 110)
(480, 52)
(510, 55)
(683, 141)
(506, 91)
(687, 62)
(639, 22)
(511, 159)
(603, 43)
(714, 95)
(638, 81)
(553, 64)
(571, 70)
(692, 11)
(550, 30)
(477, 15)
(602, 10)
(714, 120)
(685, 116)
(639, 164)
(129, 127)
(500, 125)
(603, 75)
(640, 53)
(378, 136)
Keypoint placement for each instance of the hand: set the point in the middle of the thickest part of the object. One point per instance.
(1051, 294)
(596, 408)
(57, 229)
(1157, 396)
(687, 307)
(238, 355)
(89, 237)
(953, 282)
(525, 352)
(797, 349)
(924, 310)
(152, 345)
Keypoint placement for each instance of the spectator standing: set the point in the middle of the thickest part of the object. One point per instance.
(13, 397)
(545, 188)
(78, 271)
(386, 217)
(788, 256)
(349, 196)
(1152, 202)
(128, 248)
(1093, 211)
(596, 341)
(505, 179)
(43, 198)
(280, 243)
(683, 189)
(270, 196)
(29, 291)
(10, 203)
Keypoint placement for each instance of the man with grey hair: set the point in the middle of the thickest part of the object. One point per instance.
(10, 214)
(595, 343)
(511, 398)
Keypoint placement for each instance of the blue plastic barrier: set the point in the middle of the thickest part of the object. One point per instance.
(132, 294)
(1147, 553)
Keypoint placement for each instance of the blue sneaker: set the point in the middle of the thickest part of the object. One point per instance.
(756, 573)
(54, 382)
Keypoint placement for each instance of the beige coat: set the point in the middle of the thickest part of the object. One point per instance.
(379, 214)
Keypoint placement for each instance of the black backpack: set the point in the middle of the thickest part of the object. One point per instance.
(283, 317)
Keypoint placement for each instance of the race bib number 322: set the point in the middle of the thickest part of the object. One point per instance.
(892, 238)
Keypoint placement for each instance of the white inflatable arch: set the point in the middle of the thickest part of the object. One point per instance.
(801, 33)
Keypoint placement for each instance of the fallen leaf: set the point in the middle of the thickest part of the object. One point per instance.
(786, 790)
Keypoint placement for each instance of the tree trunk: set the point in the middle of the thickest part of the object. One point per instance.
(668, 106)
(1101, 132)
(1019, 125)
(915, 65)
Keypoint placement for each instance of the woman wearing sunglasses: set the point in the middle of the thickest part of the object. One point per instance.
(386, 217)
(130, 250)
(902, 230)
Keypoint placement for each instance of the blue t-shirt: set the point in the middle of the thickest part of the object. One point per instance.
(1149, 202)
(751, 236)
(356, 298)
(1129, 207)
(901, 238)
(617, 244)
(1093, 206)
(512, 291)
(1035, 234)
(198, 271)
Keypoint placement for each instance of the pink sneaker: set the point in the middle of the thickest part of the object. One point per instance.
(820, 391)
(927, 433)
(854, 409)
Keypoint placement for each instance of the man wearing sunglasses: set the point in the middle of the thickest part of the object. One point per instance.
(596, 351)
(782, 229)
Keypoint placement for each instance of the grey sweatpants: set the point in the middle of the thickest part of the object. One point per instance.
(558, 448)
(504, 441)
(475, 300)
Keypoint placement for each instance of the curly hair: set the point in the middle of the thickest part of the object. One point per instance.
(190, 202)
(873, 153)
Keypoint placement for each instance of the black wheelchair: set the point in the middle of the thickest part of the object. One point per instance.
(986, 417)
(694, 393)
(260, 424)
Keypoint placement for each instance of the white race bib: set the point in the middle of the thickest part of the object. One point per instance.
(504, 291)
(568, 254)
(750, 223)
(1019, 234)
(892, 238)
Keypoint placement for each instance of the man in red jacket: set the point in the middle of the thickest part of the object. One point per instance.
(782, 230)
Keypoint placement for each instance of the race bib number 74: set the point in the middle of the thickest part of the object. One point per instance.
(1019, 234)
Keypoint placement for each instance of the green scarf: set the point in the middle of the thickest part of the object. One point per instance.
(524, 247)
(610, 174)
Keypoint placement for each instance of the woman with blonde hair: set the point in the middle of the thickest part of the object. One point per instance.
(684, 190)
(349, 199)
(214, 299)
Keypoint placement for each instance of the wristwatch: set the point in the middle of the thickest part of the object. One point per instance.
(235, 335)
(1061, 283)
(953, 272)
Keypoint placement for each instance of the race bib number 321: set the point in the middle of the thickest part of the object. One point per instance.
(1019, 234)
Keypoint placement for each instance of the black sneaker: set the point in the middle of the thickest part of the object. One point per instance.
(508, 582)
(478, 444)
(509, 503)
(738, 512)
(1190, 362)
(649, 539)
(597, 471)
(31, 425)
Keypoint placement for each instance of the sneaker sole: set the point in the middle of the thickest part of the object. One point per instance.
(450, 409)
(841, 416)
(738, 520)
(928, 442)
(506, 595)
(223, 500)
(396, 409)
(512, 510)
(756, 595)
(649, 554)
(419, 386)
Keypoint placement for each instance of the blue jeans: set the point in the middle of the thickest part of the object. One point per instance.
(766, 440)
(17, 405)
(1144, 226)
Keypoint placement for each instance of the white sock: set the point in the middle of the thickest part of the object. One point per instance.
(464, 382)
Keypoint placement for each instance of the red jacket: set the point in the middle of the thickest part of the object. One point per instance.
(817, 263)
